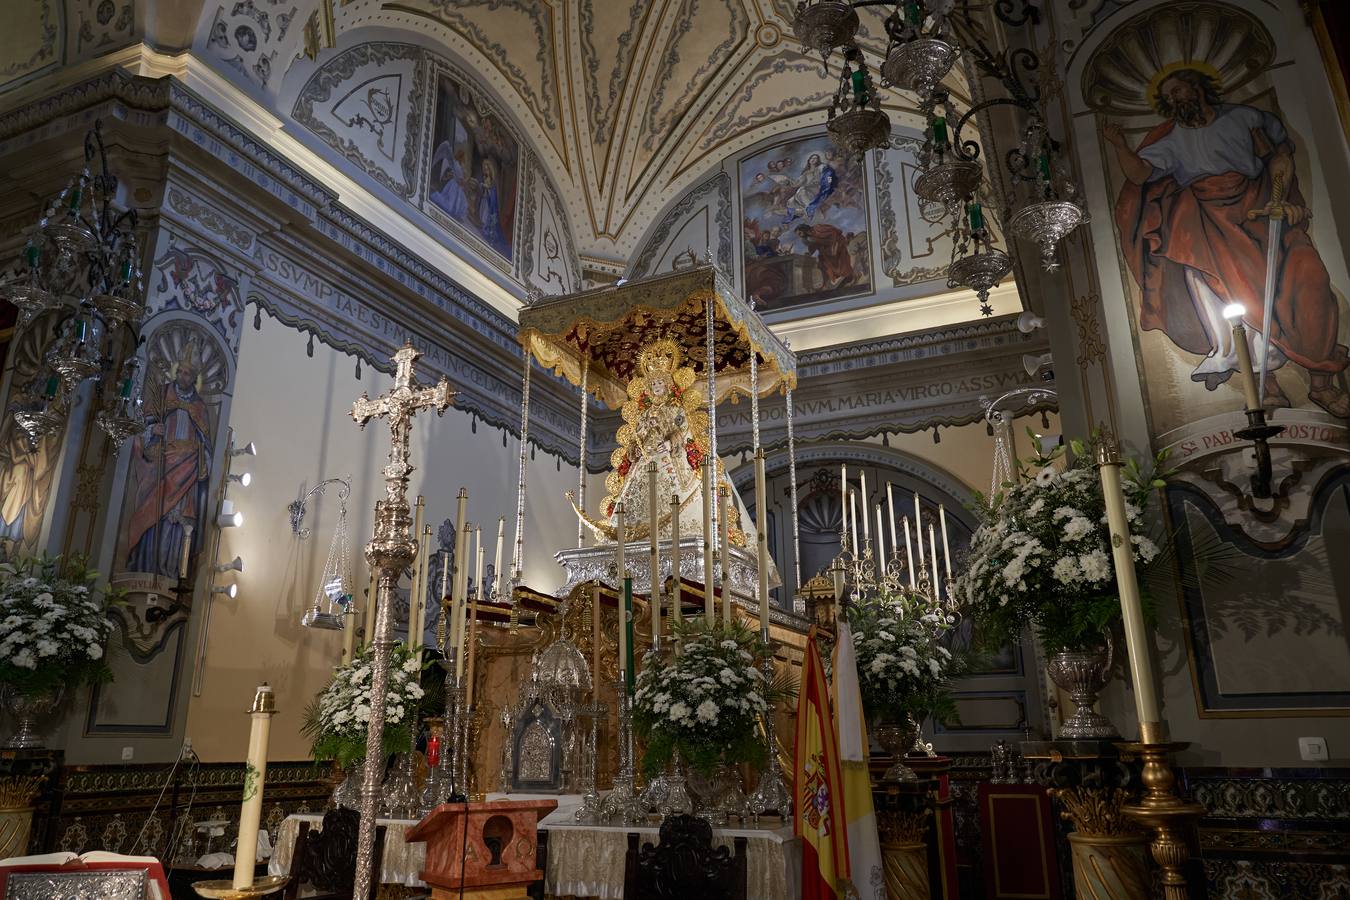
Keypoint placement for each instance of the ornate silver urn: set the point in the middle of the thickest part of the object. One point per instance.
(1083, 673)
(897, 738)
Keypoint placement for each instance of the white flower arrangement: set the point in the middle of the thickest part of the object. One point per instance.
(1043, 554)
(53, 625)
(337, 720)
(903, 666)
(705, 701)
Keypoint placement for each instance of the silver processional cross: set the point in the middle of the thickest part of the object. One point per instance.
(389, 552)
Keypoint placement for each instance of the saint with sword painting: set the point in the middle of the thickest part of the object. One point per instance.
(1211, 213)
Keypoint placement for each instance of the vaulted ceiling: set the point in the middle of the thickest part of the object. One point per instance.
(627, 102)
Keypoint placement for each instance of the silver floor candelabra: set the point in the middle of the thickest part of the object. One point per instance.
(771, 794)
(623, 802)
(589, 811)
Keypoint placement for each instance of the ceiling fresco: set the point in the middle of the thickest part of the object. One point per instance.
(627, 104)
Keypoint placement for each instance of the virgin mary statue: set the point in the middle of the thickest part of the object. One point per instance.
(665, 420)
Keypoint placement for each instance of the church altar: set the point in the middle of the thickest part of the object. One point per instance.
(588, 860)
(400, 863)
(583, 860)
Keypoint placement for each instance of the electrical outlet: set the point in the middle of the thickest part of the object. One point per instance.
(1313, 749)
(128, 753)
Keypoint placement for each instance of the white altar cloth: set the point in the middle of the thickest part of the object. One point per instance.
(588, 860)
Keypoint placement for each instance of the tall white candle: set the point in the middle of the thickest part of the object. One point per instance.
(461, 606)
(932, 551)
(415, 592)
(1132, 611)
(255, 773)
(724, 524)
(853, 518)
(909, 555)
(881, 544)
(946, 548)
(497, 574)
(918, 529)
(890, 509)
(1246, 374)
(676, 613)
(461, 564)
(762, 529)
(843, 495)
(620, 568)
(654, 529)
(471, 631)
(418, 610)
(862, 477)
(708, 607)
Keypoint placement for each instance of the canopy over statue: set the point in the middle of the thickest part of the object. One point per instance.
(648, 349)
(608, 327)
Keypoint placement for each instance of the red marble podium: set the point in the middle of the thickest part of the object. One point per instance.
(485, 850)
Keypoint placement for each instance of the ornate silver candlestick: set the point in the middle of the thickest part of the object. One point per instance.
(589, 811)
(771, 794)
(623, 801)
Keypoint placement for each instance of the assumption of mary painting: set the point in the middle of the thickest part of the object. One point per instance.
(1212, 193)
(804, 225)
(471, 178)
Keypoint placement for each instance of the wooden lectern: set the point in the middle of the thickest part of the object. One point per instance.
(486, 850)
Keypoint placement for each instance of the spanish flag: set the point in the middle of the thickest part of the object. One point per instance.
(819, 819)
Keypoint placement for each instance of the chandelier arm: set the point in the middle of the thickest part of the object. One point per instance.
(1001, 66)
(969, 150)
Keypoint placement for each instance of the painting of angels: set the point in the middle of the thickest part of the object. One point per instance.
(804, 225)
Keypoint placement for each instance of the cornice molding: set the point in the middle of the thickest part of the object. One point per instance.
(348, 255)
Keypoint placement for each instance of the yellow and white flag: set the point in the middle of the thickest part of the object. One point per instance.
(864, 849)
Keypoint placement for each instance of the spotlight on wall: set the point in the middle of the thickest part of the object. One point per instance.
(1028, 322)
(229, 590)
(229, 517)
(234, 565)
(244, 479)
(1234, 311)
(249, 449)
(1039, 367)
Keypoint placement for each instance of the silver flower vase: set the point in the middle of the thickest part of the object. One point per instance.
(1083, 673)
(399, 796)
(26, 710)
(348, 792)
(897, 737)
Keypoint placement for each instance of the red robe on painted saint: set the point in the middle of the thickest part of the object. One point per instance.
(1192, 249)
